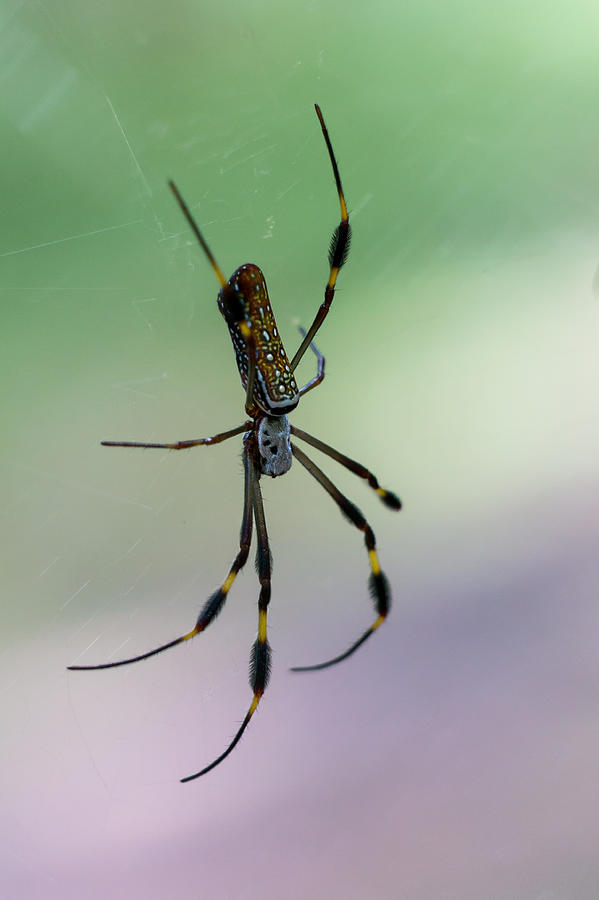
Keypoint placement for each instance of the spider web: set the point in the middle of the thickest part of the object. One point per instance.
(461, 367)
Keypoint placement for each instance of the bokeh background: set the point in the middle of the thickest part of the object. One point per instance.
(456, 756)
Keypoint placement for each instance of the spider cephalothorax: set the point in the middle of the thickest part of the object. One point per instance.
(274, 445)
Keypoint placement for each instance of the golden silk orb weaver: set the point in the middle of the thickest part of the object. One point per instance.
(271, 392)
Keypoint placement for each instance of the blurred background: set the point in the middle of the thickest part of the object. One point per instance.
(455, 756)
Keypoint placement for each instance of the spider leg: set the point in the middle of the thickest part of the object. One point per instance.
(260, 655)
(195, 228)
(338, 250)
(379, 587)
(215, 603)
(320, 363)
(388, 497)
(184, 445)
(232, 303)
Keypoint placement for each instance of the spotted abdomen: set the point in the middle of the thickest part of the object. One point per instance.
(275, 388)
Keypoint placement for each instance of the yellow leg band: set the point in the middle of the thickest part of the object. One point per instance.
(378, 622)
(342, 203)
(262, 626)
(374, 562)
(228, 582)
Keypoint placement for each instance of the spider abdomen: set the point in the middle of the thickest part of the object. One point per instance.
(274, 445)
(275, 388)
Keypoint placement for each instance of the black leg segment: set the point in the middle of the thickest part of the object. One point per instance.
(216, 601)
(377, 582)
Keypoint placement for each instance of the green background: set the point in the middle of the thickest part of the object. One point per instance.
(455, 756)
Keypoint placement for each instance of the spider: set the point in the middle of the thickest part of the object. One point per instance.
(271, 393)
